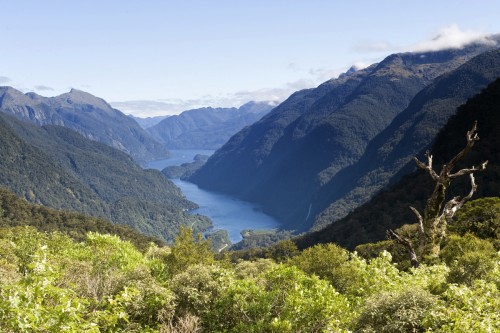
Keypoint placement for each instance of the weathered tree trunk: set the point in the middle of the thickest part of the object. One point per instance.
(432, 226)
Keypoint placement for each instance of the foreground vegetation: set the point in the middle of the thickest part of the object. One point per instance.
(50, 282)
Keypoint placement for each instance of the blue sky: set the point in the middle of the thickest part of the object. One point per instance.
(155, 57)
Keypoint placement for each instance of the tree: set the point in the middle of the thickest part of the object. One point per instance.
(189, 250)
(432, 226)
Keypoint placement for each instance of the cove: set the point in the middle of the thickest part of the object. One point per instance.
(226, 212)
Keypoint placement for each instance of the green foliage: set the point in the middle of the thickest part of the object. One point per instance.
(467, 309)
(252, 269)
(284, 299)
(50, 283)
(282, 251)
(219, 240)
(469, 258)
(189, 251)
(480, 217)
(100, 285)
(396, 311)
(198, 287)
(327, 261)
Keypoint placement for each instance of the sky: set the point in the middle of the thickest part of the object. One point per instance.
(161, 57)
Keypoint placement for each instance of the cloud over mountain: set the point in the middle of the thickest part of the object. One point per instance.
(452, 37)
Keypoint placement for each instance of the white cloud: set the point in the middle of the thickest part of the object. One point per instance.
(451, 37)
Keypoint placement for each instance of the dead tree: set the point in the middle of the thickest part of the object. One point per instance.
(432, 226)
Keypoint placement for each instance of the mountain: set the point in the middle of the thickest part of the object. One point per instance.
(390, 208)
(207, 128)
(410, 132)
(90, 116)
(147, 122)
(57, 167)
(285, 160)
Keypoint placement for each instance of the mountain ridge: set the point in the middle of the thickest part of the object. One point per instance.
(89, 115)
(206, 128)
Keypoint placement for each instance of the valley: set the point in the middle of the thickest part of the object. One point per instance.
(226, 212)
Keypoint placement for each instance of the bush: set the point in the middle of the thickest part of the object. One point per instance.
(395, 311)
(327, 261)
(197, 289)
(480, 217)
(283, 299)
(467, 309)
(469, 258)
(188, 251)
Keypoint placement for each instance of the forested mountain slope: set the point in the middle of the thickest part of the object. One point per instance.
(90, 116)
(207, 128)
(59, 168)
(284, 160)
(390, 208)
(16, 212)
(410, 132)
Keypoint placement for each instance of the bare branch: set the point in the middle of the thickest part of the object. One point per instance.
(462, 172)
(472, 189)
(420, 221)
(391, 234)
(472, 137)
(455, 204)
(427, 166)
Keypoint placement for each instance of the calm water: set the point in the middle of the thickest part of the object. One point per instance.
(225, 211)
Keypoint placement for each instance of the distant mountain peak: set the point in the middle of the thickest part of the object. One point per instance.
(82, 97)
(257, 106)
(12, 95)
(353, 69)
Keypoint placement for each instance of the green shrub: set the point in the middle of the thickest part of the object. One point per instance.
(327, 261)
(188, 251)
(197, 289)
(469, 258)
(395, 311)
(465, 309)
(283, 299)
(480, 217)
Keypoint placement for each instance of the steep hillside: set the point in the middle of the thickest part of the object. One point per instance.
(284, 160)
(389, 209)
(57, 167)
(408, 134)
(16, 212)
(28, 172)
(207, 128)
(90, 116)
